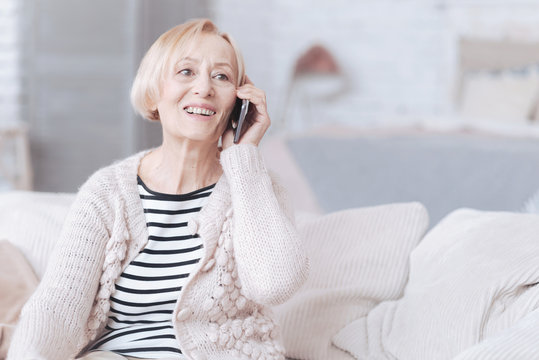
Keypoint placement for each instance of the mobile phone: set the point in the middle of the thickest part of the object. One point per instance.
(243, 112)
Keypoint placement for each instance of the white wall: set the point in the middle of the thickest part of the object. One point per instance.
(400, 57)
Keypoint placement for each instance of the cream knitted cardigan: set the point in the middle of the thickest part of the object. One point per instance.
(253, 259)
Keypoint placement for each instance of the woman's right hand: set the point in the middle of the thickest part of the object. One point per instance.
(257, 120)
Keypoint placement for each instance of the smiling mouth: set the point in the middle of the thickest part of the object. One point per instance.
(199, 111)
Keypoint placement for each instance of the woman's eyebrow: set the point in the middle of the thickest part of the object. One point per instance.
(189, 59)
(223, 64)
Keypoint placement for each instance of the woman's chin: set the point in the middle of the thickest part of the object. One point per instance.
(196, 136)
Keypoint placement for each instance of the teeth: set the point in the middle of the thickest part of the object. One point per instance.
(195, 110)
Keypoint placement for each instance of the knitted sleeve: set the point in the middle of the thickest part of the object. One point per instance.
(52, 323)
(271, 260)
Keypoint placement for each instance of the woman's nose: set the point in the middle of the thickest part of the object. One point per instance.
(203, 86)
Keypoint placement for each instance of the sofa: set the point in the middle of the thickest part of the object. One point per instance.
(386, 281)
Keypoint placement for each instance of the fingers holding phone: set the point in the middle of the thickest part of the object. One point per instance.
(257, 121)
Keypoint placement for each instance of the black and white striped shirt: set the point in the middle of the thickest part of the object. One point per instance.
(140, 318)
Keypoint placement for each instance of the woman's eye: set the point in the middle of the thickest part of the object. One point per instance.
(221, 77)
(186, 72)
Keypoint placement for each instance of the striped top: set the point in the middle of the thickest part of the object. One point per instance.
(140, 317)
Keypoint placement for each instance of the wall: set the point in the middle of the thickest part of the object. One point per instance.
(400, 57)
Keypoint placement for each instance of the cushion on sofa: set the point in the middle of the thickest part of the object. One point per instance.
(32, 221)
(473, 276)
(17, 282)
(516, 342)
(359, 257)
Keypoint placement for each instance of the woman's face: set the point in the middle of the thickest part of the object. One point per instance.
(199, 93)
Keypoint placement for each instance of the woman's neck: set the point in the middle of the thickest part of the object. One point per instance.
(179, 168)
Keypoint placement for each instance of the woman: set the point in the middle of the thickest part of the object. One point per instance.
(177, 252)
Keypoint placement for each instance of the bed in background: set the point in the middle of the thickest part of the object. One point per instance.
(483, 155)
(328, 171)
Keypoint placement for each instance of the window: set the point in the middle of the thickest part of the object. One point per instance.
(10, 58)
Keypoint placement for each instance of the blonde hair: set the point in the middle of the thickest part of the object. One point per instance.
(145, 92)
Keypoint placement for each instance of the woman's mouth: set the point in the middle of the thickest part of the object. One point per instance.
(199, 111)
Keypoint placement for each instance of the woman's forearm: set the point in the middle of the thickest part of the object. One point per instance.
(271, 260)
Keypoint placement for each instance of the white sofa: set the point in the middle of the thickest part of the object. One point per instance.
(381, 286)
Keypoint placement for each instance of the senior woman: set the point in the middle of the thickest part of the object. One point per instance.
(178, 252)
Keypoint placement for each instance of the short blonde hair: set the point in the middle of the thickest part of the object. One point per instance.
(145, 92)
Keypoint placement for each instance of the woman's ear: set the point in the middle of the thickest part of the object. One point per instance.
(151, 107)
(155, 115)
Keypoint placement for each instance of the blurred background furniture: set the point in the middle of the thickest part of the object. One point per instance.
(316, 80)
(498, 80)
(341, 167)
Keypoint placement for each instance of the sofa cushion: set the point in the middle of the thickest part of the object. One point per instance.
(473, 276)
(32, 221)
(359, 257)
(17, 281)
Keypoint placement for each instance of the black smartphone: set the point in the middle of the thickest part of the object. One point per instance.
(244, 107)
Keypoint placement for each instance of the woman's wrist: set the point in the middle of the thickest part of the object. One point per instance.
(241, 159)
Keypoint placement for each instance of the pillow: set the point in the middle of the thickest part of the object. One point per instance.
(358, 258)
(32, 221)
(17, 281)
(473, 275)
(517, 342)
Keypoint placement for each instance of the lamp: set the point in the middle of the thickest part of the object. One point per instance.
(316, 78)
